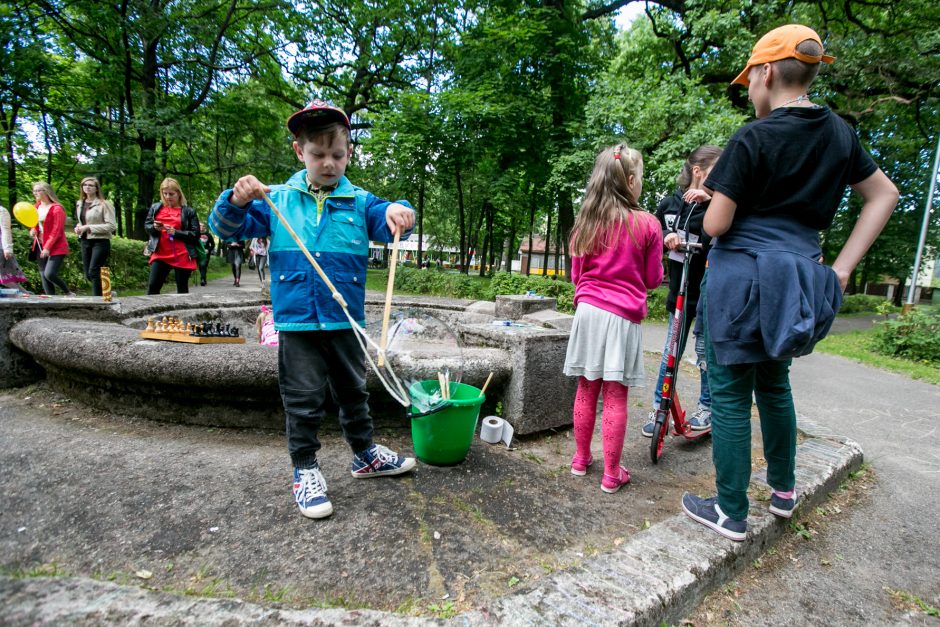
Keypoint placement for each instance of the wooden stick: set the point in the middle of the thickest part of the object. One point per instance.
(383, 344)
(486, 385)
(329, 284)
(440, 384)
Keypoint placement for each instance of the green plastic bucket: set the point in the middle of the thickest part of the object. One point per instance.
(443, 436)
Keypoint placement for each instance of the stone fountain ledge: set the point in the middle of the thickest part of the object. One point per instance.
(92, 351)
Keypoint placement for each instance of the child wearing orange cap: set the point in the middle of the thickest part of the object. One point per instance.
(766, 297)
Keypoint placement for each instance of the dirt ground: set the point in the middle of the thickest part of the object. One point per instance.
(208, 512)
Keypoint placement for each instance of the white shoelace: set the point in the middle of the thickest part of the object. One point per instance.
(385, 454)
(312, 483)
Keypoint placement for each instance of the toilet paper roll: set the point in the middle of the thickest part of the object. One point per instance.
(494, 429)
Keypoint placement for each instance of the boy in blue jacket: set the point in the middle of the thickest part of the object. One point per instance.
(766, 297)
(318, 351)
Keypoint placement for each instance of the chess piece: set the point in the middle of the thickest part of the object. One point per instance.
(218, 329)
(106, 284)
(150, 325)
(235, 331)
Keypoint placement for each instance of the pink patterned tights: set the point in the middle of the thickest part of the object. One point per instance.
(613, 420)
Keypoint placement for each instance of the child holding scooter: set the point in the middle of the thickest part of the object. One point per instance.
(681, 218)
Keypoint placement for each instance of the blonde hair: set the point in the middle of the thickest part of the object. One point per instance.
(608, 200)
(173, 184)
(47, 190)
(82, 196)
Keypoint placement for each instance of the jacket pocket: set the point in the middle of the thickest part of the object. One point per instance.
(348, 231)
(289, 295)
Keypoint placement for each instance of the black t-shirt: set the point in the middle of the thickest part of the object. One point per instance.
(796, 161)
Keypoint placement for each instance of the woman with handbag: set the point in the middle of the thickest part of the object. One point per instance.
(50, 232)
(95, 225)
(174, 230)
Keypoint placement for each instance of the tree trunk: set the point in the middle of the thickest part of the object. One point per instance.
(565, 224)
(9, 126)
(532, 203)
(461, 213)
(548, 239)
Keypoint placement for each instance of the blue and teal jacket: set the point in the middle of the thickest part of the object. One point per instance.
(336, 231)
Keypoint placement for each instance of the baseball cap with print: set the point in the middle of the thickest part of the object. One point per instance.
(319, 113)
(779, 44)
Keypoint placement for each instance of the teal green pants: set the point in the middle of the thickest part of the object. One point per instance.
(732, 388)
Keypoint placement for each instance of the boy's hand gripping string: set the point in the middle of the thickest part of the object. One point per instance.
(383, 370)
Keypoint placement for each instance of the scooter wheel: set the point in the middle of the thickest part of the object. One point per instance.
(659, 436)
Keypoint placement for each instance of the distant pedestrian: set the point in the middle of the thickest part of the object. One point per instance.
(259, 250)
(11, 275)
(174, 230)
(51, 233)
(95, 225)
(235, 255)
(617, 251)
(208, 244)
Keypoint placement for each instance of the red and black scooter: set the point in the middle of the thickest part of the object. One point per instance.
(670, 405)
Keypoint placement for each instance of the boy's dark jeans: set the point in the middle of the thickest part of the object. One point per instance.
(95, 253)
(310, 363)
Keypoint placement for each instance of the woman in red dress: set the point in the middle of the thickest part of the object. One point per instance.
(174, 230)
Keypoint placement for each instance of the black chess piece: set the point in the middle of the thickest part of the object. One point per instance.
(227, 331)
(218, 329)
(235, 331)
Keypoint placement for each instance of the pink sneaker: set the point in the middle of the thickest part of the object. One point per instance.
(611, 484)
(579, 465)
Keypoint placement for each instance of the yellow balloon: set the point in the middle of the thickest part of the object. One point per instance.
(26, 213)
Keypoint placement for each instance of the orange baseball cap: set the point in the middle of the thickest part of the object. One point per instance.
(319, 113)
(779, 44)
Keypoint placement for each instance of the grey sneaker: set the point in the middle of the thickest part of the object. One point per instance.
(782, 507)
(701, 419)
(707, 512)
(647, 430)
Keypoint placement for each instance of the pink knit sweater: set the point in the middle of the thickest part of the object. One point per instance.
(617, 279)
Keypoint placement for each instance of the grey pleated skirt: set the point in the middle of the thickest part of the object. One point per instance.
(605, 346)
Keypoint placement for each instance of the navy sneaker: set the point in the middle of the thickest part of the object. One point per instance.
(782, 507)
(378, 461)
(701, 419)
(647, 431)
(310, 493)
(707, 512)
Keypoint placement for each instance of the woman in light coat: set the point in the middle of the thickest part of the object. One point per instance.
(95, 226)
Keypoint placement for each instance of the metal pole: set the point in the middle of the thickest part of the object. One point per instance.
(923, 229)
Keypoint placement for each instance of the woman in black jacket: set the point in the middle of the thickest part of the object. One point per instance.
(174, 230)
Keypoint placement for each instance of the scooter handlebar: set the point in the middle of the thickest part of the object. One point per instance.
(690, 247)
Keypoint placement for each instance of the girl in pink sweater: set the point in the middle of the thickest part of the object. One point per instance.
(616, 250)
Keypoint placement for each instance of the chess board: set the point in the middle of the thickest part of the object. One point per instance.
(190, 339)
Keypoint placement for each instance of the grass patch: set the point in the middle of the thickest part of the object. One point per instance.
(857, 346)
(909, 602)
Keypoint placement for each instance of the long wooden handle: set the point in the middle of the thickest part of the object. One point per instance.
(329, 284)
(486, 385)
(388, 297)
